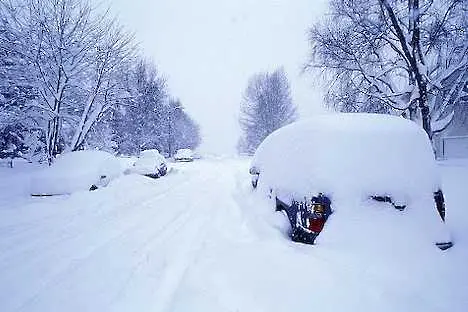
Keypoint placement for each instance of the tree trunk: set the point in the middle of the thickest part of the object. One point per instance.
(414, 57)
(425, 113)
(413, 110)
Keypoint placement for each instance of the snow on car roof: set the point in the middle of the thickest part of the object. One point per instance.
(150, 153)
(360, 154)
(184, 152)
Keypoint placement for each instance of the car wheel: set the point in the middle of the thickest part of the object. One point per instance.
(152, 175)
(254, 183)
(163, 171)
(440, 203)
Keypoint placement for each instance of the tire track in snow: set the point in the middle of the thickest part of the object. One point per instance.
(65, 199)
(219, 209)
(183, 247)
(113, 221)
(180, 249)
(114, 212)
(175, 274)
(167, 229)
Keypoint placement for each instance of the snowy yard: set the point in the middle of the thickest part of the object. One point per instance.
(199, 239)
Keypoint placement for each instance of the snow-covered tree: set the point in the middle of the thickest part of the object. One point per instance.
(68, 54)
(393, 56)
(266, 106)
(139, 119)
(181, 130)
(70, 79)
(103, 89)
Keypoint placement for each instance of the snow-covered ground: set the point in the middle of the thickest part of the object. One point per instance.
(199, 239)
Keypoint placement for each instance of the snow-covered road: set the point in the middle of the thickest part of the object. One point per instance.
(195, 240)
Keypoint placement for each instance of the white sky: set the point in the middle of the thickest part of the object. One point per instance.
(207, 49)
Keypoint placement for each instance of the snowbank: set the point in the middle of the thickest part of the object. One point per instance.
(76, 171)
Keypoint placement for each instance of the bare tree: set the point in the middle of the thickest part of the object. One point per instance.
(266, 106)
(393, 56)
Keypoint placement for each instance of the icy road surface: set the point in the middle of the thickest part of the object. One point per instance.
(200, 240)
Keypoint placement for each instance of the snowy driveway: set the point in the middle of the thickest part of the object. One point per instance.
(196, 240)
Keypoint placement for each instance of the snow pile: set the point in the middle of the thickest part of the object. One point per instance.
(76, 171)
(149, 162)
(350, 157)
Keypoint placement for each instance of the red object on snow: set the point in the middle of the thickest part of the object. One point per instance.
(316, 225)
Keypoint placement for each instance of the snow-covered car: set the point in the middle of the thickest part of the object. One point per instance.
(76, 171)
(347, 167)
(184, 154)
(150, 163)
(196, 155)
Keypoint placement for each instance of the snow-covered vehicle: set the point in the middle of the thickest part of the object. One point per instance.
(184, 154)
(150, 163)
(196, 155)
(76, 171)
(353, 165)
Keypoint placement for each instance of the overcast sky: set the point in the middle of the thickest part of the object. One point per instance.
(207, 50)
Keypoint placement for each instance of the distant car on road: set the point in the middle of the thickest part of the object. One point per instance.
(150, 163)
(184, 155)
(339, 165)
(76, 171)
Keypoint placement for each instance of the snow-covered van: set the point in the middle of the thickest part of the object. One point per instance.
(347, 176)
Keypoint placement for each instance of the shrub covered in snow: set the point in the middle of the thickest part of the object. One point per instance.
(76, 171)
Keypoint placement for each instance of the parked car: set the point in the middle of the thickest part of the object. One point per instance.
(184, 155)
(150, 163)
(320, 168)
(196, 155)
(76, 171)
